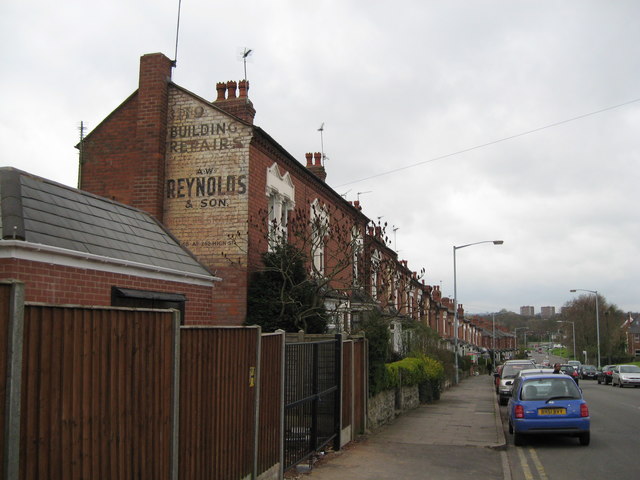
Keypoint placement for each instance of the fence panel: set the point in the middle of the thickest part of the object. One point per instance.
(312, 398)
(217, 402)
(97, 392)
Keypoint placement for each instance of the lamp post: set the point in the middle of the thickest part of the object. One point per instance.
(493, 341)
(595, 292)
(573, 327)
(455, 300)
(525, 336)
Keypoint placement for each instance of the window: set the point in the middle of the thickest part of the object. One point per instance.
(358, 244)
(375, 265)
(280, 192)
(319, 232)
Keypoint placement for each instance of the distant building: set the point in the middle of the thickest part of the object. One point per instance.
(547, 312)
(632, 331)
(527, 311)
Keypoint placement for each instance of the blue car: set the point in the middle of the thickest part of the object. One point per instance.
(548, 404)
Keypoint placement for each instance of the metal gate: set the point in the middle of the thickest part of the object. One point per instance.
(312, 398)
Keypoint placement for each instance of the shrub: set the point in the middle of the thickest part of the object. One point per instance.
(422, 370)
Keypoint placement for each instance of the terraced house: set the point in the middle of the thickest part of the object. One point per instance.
(227, 190)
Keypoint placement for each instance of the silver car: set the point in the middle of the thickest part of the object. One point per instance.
(509, 372)
(624, 375)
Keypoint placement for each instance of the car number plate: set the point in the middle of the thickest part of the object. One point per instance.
(552, 411)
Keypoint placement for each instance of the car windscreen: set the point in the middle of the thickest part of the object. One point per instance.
(629, 369)
(546, 388)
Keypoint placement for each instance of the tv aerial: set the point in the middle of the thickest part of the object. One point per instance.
(244, 55)
(321, 130)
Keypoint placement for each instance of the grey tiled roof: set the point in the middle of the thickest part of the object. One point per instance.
(41, 211)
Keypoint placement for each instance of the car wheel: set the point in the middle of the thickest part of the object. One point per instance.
(518, 439)
(599, 382)
(585, 438)
(620, 384)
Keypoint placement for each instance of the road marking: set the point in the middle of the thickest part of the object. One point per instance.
(538, 464)
(525, 466)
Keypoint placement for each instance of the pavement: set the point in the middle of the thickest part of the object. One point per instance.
(458, 437)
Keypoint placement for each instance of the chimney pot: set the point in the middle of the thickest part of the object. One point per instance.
(318, 159)
(309, 157)
(231, 89)
(222, 90)
(244, 88)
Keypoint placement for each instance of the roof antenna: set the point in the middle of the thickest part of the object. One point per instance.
(82, 128)
(175, 55)
(362, 193)
(321, 130)
(245, 53)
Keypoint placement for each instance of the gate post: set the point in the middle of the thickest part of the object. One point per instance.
(337, 425)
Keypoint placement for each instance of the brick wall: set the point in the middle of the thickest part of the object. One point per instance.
(61, 285)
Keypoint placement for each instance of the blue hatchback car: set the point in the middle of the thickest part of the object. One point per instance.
(548, 404)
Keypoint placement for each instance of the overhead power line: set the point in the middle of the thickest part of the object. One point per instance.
(459, 152)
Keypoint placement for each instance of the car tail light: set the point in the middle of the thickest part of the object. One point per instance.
(584, 410)
(519, 411)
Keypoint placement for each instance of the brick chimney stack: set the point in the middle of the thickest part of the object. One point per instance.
(153, 106)
(315, 166)
(233, 98)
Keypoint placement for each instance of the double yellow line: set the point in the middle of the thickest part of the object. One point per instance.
(537, 464)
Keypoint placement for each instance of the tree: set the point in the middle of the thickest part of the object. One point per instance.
(282, 296)
(581, 311)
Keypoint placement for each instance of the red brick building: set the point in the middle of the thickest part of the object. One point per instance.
(219, 183)
(71, 247)
(224, 188)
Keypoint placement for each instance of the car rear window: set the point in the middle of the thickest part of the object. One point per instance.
(545, 388)
(510, 371)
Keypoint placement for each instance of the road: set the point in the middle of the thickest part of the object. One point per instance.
(615, 442)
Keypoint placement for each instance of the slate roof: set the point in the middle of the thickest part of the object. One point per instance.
(41, 211)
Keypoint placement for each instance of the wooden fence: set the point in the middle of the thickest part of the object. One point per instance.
(115, 393)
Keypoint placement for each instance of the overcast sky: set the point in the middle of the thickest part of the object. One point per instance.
(463, 121)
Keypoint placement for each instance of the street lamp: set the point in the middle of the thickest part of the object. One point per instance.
(573, 327)
(595, 292)
(455, 300)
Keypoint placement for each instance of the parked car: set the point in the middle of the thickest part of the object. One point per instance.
(537, 370)
(571, 371)
(496, 376)
(588, 372)
(624, 375)
(604, 375)
(509, 371)
(574, 363)
(548, 404)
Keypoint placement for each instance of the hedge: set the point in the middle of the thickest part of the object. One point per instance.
(408, 372)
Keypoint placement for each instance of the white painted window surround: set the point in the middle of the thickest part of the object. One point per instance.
(319, 216)
(281, 195)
